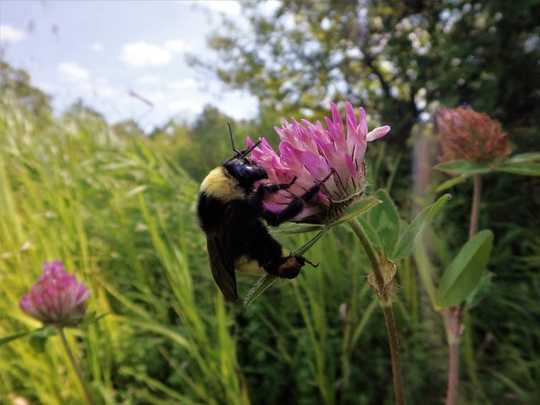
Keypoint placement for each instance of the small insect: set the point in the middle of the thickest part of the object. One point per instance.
(231, 213)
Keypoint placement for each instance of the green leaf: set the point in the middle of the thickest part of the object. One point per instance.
(464, 273)
(523, 168)
(385, 221)
(91, 318)
(306, 246)
(482, 290)
(356, 209)
(463, 167)
(38, 338)
(6, 339)
(451, 182)
(405, 244)
(262, 284)
(371, 233)
(291, 228)
(525, 157)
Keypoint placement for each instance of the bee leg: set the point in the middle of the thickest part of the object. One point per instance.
(264, 189)
(293, 209)
(314, 190)
(285, 266)
(289, 212)
(269, 254)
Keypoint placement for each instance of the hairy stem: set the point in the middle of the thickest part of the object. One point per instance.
(386, 304)
(452, 323)
(453, 315)
(75, 366)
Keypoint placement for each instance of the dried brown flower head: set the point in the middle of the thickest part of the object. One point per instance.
(470, 135)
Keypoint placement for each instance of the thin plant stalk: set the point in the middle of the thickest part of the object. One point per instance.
(76, 367)
(475, 208)
(452, 323)
(453, 316)
(386, 304)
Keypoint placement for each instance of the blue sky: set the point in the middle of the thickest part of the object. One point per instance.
(101, 50)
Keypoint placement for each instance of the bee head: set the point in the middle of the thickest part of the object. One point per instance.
(245, 171)
(242, 168)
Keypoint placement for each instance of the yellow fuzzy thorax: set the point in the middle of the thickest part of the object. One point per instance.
(221, 185)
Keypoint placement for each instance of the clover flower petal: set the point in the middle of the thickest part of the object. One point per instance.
(56, 298)
(311, 152)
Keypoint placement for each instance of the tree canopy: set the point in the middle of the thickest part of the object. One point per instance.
(400, 59)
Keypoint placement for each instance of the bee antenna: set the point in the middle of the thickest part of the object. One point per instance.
(248, 150)
(232, 139)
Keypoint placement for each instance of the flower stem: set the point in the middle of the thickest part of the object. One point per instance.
(475, 208)
(78, 371)
(453, 315)
(452, 323)
(386, 305)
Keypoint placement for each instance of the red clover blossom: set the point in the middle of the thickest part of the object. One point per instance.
(57, 298)
(312, 152)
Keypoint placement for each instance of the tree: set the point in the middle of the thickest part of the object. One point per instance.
(399, 59)
(16, 84)
(210, 139)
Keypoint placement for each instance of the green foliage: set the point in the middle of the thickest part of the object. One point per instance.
(407, 238)
(527, 164)
(385, 223)
(119, 210)
(16, 83)
(6, 339)
(463, 167)
(121, 217)
(399, 59)
(464, 274)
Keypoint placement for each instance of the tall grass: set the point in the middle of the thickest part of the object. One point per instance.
(120, 217)
(121, 214)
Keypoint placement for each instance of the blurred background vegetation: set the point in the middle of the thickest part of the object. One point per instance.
(117, 205)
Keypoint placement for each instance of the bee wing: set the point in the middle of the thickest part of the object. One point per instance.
(222, 268)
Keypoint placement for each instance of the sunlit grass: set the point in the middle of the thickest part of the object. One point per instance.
(120, 217)
(120, 212)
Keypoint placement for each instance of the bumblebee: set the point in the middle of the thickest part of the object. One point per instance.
(231, 213)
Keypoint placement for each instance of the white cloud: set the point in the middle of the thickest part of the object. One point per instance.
(156, 96)
(11, 34)
(148, 80)
(184, 106)
(185, 84)
(103, 88)
(141, 54)
(230, 7)
(97, 47)
(73, 72)
(176, 45)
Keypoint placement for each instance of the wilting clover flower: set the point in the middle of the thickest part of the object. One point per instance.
(469, 135)
(331, 155)
(57, 298)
